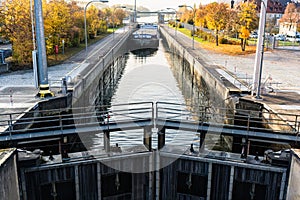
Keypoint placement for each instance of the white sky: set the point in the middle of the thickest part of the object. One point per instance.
(155, 5)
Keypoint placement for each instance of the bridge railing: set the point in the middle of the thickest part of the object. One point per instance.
(61, 119)
(245, 119)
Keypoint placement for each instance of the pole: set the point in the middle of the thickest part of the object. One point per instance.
(41, 47)
(134, 11)
(259, 51)
(175, 20)
(85, 31)
(194, 11)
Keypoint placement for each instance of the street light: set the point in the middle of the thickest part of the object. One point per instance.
(260, 50)
(175, 19)
(113, 19)
(85, 32)
(194, 11)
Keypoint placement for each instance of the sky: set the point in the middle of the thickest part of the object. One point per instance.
(155, 5)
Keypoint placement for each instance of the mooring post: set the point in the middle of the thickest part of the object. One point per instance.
(148, 137)
(161, 138)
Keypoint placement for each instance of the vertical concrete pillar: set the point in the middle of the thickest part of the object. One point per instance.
(231, 183)
(77, 191)
(161, 138)
(209, 176)
(106, 138)
(282, 185)
(148, 137)
(99, 180)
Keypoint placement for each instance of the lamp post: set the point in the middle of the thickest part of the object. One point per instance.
(194, 11)
(134, 18)
(113, 19)
(85, 31)
(175, 19)
(259, 51)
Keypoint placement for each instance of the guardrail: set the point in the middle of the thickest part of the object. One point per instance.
(110, 117)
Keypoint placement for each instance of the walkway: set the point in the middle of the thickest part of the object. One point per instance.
(281, 72)
(17, 90)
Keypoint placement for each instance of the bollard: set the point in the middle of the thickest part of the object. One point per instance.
(64, 87)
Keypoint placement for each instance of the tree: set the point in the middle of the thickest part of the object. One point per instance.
(119, 15)
(232, 27)
(217, 17)
(291, 16)
(76, 32)
(200, 17)
(186, 16)
(247, 21)
(56, 22)
(16, 27)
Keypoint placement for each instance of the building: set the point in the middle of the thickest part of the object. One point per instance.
(290, 26)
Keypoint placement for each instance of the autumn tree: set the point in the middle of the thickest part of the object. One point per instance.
(76, 31)
(57, 22)
(119, 15)
(247, 21)
(16, 26)
(200, 17)
(291, 15)
(186, 15)
(232, 27)
(217, 17)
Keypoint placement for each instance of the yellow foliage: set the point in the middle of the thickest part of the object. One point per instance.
(244, 33)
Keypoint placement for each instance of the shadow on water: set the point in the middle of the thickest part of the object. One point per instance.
(142, 53)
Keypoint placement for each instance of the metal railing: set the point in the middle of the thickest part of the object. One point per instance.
(62, 119)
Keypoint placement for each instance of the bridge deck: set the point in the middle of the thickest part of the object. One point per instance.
(146, 114)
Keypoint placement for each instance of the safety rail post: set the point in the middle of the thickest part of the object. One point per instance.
(247, 140)
(153, 113)
(296, 122)
(161, 138)
(148, 137)
(156, 113)
(10, 127)
(60, 123)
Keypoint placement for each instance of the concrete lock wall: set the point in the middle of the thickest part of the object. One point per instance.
(86, 82)
(217, 90)
(293, 191)
(9, 188)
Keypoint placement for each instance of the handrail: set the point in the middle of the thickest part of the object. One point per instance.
(67, 118)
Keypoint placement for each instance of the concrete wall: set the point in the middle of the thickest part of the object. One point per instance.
(9, 188)
(212, 81)
(85, 88)
(293, 192)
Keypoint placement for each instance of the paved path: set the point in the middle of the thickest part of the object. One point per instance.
(281, 72)
(17, 90)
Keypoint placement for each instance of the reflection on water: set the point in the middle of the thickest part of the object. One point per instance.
(147, 77)
(153, 75)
